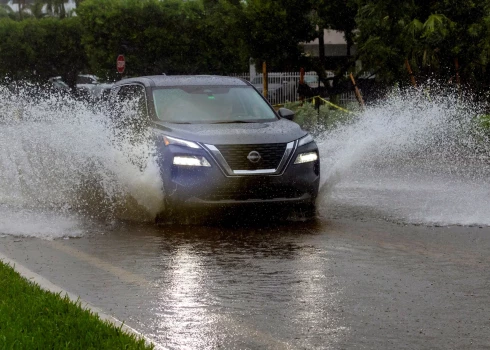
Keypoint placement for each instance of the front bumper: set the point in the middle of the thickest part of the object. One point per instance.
(215, 186)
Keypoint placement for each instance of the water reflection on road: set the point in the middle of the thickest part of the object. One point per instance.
(326, 284)
(243, 288)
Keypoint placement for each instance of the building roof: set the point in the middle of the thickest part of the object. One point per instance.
(335, 45)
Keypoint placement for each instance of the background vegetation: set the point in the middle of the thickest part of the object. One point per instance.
(445, 40)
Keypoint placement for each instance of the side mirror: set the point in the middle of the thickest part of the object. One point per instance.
(286, 113)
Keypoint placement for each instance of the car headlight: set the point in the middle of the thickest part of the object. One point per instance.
(167, 140)
(305, 140)
(306, 157)
(191, 161)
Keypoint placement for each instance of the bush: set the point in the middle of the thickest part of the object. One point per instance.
(37, 49)
(172, 37)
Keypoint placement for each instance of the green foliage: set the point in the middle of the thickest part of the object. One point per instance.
(273, 29)
(339, 15)
(219, 37)
(430, 34)
(38, 49)
(31, 318)
(222, 48)
(161, 36)
(6, 11)
(170, 36)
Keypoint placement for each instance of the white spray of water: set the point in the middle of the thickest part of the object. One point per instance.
(413, 157)
(61, 164)
(410, 158)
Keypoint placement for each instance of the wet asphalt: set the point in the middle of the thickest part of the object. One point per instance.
(329, 283)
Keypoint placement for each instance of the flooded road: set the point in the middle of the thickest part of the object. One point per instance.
(397, 258)
(327, 284)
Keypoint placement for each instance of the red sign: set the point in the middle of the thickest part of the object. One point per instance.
(120, 64)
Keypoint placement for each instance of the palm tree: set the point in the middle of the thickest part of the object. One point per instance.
(22, 5)
(37, 9)
(55, 7)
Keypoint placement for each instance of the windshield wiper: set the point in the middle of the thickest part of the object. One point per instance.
(233, 121)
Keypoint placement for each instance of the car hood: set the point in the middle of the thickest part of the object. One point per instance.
(279, 131)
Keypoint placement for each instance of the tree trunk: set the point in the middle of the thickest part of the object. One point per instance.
(321, 46)
(62, 11)
(349, 41)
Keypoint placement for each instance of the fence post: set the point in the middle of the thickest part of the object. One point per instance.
(358, 93)
(264, 79)
(301, 82)
(409, 69)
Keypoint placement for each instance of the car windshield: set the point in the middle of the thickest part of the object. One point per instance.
(211, 104)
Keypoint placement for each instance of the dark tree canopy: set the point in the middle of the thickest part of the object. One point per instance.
(431, 35)
(220, 37)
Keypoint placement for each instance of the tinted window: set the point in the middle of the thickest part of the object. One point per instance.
(210, 104)
(132, 99)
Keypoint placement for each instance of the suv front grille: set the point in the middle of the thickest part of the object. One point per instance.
(236, 155)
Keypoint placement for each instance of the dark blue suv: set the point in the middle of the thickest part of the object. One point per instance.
(220, 143)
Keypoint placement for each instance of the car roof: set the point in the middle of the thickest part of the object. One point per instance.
(184, 80)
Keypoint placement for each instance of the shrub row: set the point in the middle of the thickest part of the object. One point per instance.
(172, 37)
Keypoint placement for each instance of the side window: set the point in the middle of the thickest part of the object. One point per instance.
(131, 113)
(132, 100)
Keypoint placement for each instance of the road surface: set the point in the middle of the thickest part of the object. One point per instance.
(333, 283)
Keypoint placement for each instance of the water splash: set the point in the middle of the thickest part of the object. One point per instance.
(61, 156)
(412, 157)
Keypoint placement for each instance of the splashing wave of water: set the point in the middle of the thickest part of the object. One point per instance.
(59, 155)
(412, 157)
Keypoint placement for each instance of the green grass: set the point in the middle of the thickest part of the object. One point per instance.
(32, 318)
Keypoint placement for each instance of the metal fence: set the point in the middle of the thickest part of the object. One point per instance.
(282, 86)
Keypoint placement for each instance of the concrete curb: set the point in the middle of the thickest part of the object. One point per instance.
(48, 286)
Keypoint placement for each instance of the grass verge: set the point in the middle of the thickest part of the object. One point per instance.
(32, 318)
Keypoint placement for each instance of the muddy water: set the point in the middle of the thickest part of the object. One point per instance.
(414, 157)
(408, 196)
(397, 258)
(63, 158)
(329, 284)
